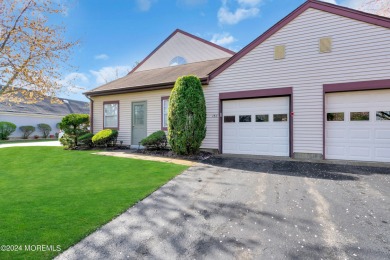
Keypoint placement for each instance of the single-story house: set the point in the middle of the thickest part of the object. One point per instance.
(44, 111)
(315, 85)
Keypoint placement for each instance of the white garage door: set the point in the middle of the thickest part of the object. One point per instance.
(357, 125)
(256, 126)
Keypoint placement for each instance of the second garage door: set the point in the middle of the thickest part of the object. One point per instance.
(256, 126)
(358, 126)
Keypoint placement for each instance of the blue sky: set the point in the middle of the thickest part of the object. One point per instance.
(116, 34)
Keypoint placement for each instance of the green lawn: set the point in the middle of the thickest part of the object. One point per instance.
(26, 141)
(49, 196)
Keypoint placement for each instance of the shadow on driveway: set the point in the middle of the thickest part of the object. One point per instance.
(323, 170)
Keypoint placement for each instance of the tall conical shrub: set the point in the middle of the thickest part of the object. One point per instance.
(186, 116)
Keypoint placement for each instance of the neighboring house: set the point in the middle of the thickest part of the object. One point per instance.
(22, 114)
(315, 85)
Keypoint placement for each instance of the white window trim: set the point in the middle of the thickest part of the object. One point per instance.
(116, 126)
(165, 113)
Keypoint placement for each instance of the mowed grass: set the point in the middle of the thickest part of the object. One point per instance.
(49, 196)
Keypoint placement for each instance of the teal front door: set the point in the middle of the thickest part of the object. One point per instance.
(139, 126)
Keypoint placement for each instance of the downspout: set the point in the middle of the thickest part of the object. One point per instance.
(91, 113)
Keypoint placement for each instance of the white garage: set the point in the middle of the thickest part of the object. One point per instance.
(357, 125)
(258, 126)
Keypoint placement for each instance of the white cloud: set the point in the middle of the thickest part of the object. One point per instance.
(74, 82)
(250, 2)
(330, 1)
(246, 9)
(223, 39)
(145, 5)
(107, 74)
(101, 57)
(225, 16)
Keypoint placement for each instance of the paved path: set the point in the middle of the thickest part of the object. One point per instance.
(48, 143)
(147, 158)
(280, 210)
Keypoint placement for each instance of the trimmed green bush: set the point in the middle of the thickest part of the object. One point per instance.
(45, 129)
(86, 139)
(157, 140)
(186, 116)
(27, 131)
(68, 142)
(105, 137)
(6, 129)
(75, 125)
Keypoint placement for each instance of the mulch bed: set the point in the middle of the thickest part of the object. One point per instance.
(202, 155)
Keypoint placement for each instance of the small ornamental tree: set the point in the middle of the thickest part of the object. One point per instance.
(45, 129)
(6, 129)
(186, 116)
(75, 125)
(27, 131)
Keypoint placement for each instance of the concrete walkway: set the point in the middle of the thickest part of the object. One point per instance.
(48, 143)
(147, 158)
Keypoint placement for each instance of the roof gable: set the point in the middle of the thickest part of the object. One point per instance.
(183, 44)
(319, 5)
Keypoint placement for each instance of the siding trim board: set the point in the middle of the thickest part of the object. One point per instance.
(319, 5)
(91, 117)
(355, 86)
(259, 93)
(349, 87)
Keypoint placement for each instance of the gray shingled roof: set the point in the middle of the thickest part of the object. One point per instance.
(45, 107)
(158, 77)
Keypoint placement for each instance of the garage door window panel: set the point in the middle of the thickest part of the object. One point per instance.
(382, 115)
(338, 116)
(280, 118)
(245, 118)
(229, 119)
(262, 118)
(360, 116)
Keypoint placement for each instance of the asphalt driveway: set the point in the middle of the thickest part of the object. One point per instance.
(254, 209)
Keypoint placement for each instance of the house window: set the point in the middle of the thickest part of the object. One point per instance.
(178, 60)
(111, 114)
(164, 112)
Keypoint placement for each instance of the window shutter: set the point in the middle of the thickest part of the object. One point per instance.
(325, 45)
(280, 52)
